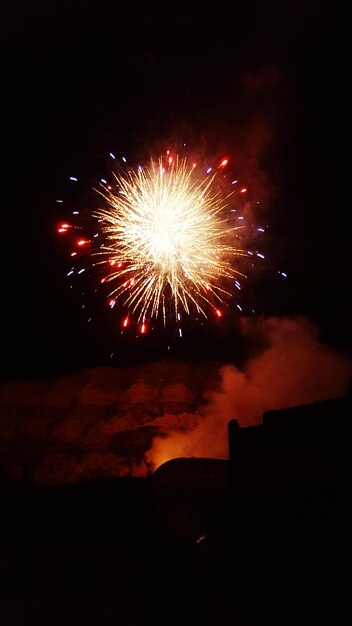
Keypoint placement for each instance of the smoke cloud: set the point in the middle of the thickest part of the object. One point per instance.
(126, 422)
(294, 368)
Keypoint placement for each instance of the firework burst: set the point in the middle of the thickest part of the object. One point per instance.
(167, 243)
(169, 238)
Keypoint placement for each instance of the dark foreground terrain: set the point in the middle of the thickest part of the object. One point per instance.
(114, 553)
(261, 538)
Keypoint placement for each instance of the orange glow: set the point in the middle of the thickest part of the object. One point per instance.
(224, 162)
(166, 448)
(73, 253)
(157, 458)
(125, 322)
(218, 312)
(243, 190)
(81, 242)
(112, 262)
(143, 329)
(170, 160)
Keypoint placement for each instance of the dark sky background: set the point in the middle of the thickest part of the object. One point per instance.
(268, 82)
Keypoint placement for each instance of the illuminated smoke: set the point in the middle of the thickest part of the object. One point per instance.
(127, 421)
(293, 368)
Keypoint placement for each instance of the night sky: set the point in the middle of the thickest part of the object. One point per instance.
(266, 83)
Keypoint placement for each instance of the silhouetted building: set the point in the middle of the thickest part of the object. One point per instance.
(298, 447)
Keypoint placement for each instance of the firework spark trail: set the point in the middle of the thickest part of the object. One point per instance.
(167, 240)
